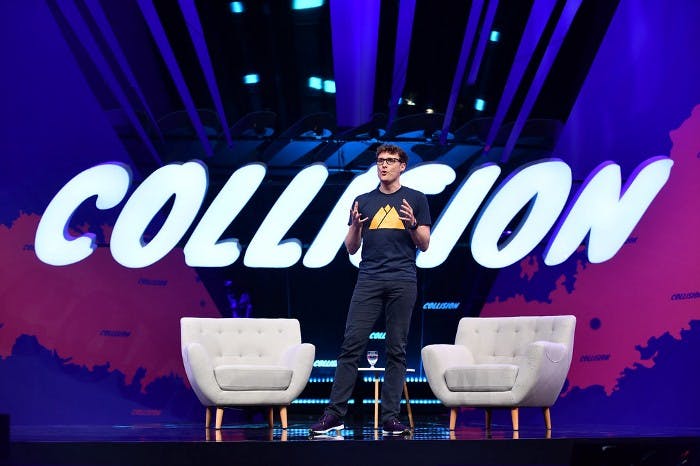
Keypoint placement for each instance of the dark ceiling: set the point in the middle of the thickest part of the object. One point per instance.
(285, 47)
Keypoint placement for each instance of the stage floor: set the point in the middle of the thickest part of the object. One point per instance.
(430, 444)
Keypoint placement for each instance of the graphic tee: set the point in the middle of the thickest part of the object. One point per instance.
(388, 252)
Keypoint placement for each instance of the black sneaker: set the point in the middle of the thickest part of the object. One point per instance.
(394, 427)
(327, 423)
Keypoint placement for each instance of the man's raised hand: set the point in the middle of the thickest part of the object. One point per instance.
(356, 216)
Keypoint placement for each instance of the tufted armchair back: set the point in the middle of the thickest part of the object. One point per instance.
(241, 340)
(245, 362)
(509, 362)
(504, 340)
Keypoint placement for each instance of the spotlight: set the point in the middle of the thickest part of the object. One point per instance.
(329, 86)
(306, 4)
(251, 79)
(315, 83)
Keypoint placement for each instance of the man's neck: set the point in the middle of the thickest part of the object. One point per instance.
(389, 188)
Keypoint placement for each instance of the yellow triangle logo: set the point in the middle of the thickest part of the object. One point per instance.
(386, 217)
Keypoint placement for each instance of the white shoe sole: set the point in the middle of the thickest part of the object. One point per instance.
(401, 432)
(338, 428)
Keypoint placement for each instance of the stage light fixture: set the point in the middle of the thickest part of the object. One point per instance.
(479, 105)
(315, 83)
(251, 79)
(495, 36)
(429, 110)
(306, 4)
(236, 7)
(329, 86)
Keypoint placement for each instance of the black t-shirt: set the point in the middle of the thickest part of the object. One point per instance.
(388, 252)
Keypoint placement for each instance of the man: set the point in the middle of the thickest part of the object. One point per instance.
(389, 222)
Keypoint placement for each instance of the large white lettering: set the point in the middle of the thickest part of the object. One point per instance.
(267, 249)
(456, 216)
(608, 213)
(330, 237)
(204, 248)
(545, 187)
(533, 197)
(188, 183)
(53, 243)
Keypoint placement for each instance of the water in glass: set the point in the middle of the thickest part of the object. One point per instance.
(372, 357)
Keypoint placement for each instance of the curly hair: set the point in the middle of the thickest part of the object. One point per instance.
(393, 149)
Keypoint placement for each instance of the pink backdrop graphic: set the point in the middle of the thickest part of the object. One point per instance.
(105, 339)
(649, 288)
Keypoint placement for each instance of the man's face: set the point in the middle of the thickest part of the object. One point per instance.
(389, 167)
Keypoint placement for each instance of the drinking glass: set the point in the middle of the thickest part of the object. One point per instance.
(372, 357)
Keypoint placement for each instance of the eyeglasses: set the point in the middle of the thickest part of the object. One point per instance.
(388, 160)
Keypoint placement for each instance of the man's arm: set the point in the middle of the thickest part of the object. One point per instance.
(421, 237)
(353, 239)
(420, 234)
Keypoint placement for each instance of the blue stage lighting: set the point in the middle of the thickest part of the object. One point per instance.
(479, 104)
(315, 83)
(237, 7)
(251, 79)
(495, 35)
(306, 4)
(329, 86)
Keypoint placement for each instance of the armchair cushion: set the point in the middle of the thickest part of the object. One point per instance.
(508, 362)
(511, 361)
(244, 377)
(481, 378)
(245, 361)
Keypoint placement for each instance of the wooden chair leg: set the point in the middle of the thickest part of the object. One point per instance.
(547, 418)
(453, 418)
(376, 401)
(270, 417)
(283, 416)
(219, 417)
(514, 417)
(207, 417)
(489, 413)
(408, 406)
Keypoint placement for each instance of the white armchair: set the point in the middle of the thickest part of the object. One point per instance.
(245, 362)
(502, 362)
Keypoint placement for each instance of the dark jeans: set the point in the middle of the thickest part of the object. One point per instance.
(369, 299)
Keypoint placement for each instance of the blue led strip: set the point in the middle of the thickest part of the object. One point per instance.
(562, 28)
(82, 31)
(355, 35)
(316, 401)
(469, 33)
(410, 379)
(151, 16)
(416, 401)
(483, 38)
(407, 9)
(189, 11)
(100, 18)
(536, 22)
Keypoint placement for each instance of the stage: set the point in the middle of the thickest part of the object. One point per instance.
(431, 444)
